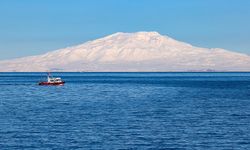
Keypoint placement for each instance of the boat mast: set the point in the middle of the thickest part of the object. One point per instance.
(48, 77)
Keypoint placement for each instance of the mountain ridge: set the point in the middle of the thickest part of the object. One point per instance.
(140, 51)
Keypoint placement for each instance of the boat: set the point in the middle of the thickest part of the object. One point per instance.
(52, 81)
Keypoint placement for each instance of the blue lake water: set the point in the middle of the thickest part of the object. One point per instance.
(125, 111)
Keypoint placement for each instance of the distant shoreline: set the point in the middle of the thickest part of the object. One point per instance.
(136, 72)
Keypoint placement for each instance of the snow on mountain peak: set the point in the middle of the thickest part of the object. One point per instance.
(148, 39)
(140, 51)
(135, 36)
(141, 33)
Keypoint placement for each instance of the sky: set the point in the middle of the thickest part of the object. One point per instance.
(32, 27)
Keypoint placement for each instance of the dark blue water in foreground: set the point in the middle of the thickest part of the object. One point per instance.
(126, 111)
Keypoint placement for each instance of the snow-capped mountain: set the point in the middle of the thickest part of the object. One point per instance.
(141, 51)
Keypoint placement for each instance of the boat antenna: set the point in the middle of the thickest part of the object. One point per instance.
(48, 76)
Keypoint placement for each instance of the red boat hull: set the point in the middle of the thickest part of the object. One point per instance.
(51, 83)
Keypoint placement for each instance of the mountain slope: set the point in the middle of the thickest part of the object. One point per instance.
(141, 51)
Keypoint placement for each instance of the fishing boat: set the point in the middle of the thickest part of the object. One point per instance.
(52, 81)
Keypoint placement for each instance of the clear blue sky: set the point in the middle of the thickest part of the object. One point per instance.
(30, 27)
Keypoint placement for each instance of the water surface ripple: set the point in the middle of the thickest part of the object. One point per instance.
(126, 111)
